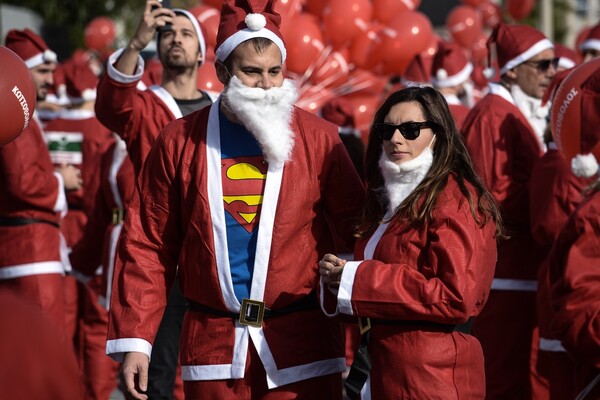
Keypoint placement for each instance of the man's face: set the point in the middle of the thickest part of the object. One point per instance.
(43, 76)
(254, 69)
(532, 76)
(590, 54)
(179, 47)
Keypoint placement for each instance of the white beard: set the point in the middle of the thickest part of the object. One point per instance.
(266, 114)
(532, 110)
(401, 179)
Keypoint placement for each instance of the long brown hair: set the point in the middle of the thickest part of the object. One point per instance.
(450, 157)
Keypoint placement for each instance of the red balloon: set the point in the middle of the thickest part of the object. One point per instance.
(100, 33)
(360, 80)
(208, 17)
(207, 78)
(17, 96)
(575, 120)
(365, 105)
(343, 20)
(431, 47)
(473, 3)
(364, 50)
(407, 34)
(315, 7)
(304, 42)
(519, 9)
(491, 13)
(288, 8)
(332, 72)
(385, 10)
(479, 49)
(464, 24)
(313, 98)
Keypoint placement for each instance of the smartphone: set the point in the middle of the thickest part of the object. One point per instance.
(165, 4)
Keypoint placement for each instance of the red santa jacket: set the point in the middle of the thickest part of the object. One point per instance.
(459, 110)
(77, 138)
(441, 273)
(31, 190)
(504, 149)
(180, 222)
(574, 275)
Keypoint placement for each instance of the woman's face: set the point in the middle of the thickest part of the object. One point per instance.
(398, 148)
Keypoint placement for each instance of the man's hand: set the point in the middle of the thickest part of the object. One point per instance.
(71, 176)
(135, 374)
(151, 21)
(331, 268)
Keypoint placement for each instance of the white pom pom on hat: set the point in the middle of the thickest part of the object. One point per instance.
(441, 74)
(255, 21)
(584, 166)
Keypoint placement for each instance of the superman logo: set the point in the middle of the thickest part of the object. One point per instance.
(243, 186)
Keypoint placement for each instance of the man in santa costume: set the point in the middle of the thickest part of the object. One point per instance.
(504, 134)
(33, 252)
(138, 117)
(242, 197)
(450, 73)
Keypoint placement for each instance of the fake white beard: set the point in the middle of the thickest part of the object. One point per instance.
(266, 114)
(401, 179)
(532, 110)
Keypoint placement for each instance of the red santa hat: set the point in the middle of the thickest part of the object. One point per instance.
(592, 40)
(575, 118)
(516, 44)
(340, 111)
(418, 72)
(450, 66)
(567, 58)
(80, 79)
(242, 20)
(30, 47)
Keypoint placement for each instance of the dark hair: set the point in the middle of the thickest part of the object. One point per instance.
(450, 157)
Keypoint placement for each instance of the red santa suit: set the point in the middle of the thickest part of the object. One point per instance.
(440, 274)
(458, 109)
(136, 116)
(504, 149)
(33, 253)
(185, 227)
(574, 275)
(554, 193)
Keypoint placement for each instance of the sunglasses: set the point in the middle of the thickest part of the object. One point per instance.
(410, 130)
(543, 65)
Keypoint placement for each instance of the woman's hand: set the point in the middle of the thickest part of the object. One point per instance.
(331, 268)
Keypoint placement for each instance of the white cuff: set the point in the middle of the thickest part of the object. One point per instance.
(61, 199)
(117, 348)
(346, 285)
(117, 75)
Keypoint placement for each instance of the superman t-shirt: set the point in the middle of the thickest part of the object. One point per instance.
(243, 176)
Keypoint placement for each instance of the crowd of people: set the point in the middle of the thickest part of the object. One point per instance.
(184, 243)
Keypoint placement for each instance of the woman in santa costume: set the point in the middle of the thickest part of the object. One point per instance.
(425, 259)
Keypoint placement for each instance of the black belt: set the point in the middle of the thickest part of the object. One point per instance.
(361, 366)
(20, 221)
(254, 312)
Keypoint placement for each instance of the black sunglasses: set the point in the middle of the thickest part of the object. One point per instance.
(544, 65)
(410, 130)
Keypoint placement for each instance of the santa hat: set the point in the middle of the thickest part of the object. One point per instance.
(340, 111)
(242, 20)
(30, 47)
(197, 29)
(418, 72)
(592, 40)
(450, 66)
(575, 118)
(515, 44)
(80, 79)
(567, 58)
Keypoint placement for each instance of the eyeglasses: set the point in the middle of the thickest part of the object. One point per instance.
(410, 130)
(543, 65)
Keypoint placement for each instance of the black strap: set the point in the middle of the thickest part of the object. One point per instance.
(361, 366)
(20, 221)
(308, 302)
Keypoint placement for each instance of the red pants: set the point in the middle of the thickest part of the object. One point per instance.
(253, 386)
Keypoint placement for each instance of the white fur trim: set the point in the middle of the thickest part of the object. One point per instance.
(584, 165)
(489, 73)
(590, 44)
(233, 41)
(441, 74)
(36, 268)
(120, 77)
(453, 80)
(255, 21)
(117, 348)
(566, 63)
(201, 41)
(537, 48)
(48, 56)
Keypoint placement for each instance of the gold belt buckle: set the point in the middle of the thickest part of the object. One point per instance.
(252, 312)
(117, 216)
(364, 325)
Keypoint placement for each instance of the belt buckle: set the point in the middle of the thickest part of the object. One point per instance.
(117, 216)
(364, 325)
(252, 312)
